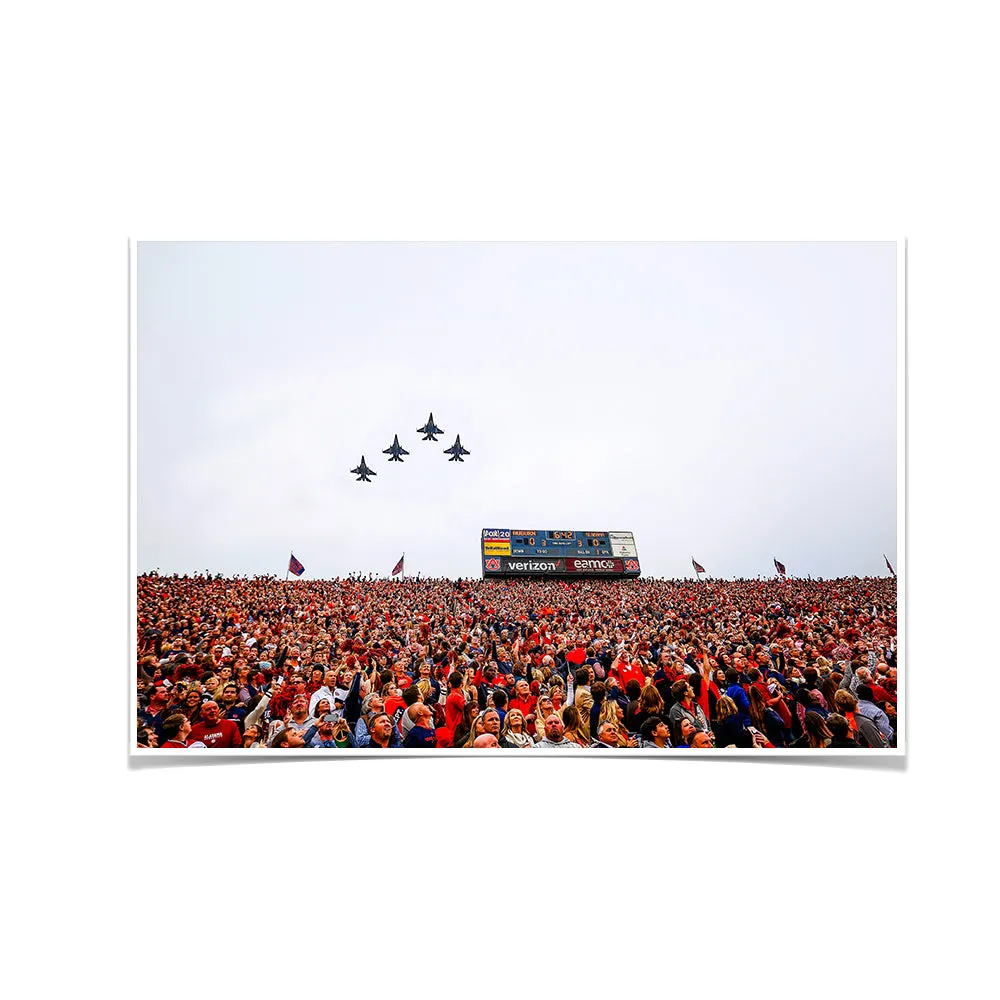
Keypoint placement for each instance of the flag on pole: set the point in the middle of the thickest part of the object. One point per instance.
(780, 567)
(399, 566)
(698, 568)
(889, 564)
(294, 566)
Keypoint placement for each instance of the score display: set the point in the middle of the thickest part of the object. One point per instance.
(558, 552)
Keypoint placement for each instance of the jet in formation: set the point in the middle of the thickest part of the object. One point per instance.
(363, 472)
(430, 430)
(456, 450)
(395, 450)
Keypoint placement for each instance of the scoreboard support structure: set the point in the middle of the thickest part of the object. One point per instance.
(509, 552)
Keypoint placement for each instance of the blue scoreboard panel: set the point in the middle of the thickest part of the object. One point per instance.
(558, 552)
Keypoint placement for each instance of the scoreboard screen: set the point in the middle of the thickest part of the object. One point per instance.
(558, 552)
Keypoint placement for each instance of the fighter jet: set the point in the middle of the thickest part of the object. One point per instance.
(363, 472)
(395, 449)
(456, 450)
(429, 430)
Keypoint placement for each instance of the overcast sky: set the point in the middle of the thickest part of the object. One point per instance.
(731, 402)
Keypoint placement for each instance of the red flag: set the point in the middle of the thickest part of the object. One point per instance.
(399, 565)
(889, 564)
(576, 656)
(698, 568)
(780, 567)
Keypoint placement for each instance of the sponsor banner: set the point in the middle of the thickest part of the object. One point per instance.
(496, 534)
(623, 550)
(496, 548)
(594, 566)
(622, 536)
(527, 564)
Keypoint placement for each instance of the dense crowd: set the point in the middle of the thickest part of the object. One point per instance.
(252, 662)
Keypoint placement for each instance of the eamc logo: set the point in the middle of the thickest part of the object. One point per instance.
(493, 565)
(632, 564)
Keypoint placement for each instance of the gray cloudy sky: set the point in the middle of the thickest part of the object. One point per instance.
(733, 402)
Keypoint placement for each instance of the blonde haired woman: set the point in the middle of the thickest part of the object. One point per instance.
(514, 735)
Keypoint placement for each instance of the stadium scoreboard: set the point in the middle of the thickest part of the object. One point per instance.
(522, 552)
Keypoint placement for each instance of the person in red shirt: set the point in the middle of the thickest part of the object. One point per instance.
(625, 670)
(394, 700)
(523, 699)
(214, 731)
(454, 706)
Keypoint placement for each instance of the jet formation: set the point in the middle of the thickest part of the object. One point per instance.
(396, 451)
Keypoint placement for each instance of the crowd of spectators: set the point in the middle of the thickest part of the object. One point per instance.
(259, 662)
